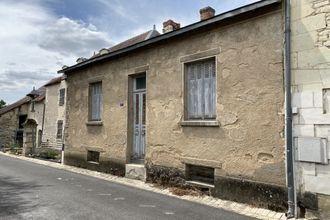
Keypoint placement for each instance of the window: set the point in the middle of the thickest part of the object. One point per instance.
(93, 156)
(59, 129)
(95, 101)
(200, 90)
(62, 97)
(140, 83)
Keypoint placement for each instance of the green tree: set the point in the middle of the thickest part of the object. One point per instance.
(2, 103)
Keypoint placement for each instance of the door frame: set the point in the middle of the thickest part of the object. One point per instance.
(130, 116)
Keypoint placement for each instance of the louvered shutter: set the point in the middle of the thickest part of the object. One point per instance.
(201, 90)
(96, 101)
(209, 90)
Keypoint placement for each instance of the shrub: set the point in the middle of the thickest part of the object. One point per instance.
(52, 154)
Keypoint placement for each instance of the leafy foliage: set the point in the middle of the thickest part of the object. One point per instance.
(2, 103)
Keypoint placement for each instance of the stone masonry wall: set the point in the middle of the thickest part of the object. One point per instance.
(8, 127)
(310, 86)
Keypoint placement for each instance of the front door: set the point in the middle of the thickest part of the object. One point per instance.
(139, 111)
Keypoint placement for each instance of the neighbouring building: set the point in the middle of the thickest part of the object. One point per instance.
(35, 122)
(311, 102)
(12, 118)
(21, 122)
(54, 114)
(199, 105)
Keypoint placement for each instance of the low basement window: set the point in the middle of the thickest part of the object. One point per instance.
(93, 156)
(200, 175)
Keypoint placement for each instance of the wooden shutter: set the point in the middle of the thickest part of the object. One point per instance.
(96, 101)
(62, 97)
(59, 129)
(209, 89)
(201, 90)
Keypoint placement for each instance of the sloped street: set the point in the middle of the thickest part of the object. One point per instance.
(32, 191)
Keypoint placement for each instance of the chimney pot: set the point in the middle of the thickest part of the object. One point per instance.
(170, 25)
(206, 13)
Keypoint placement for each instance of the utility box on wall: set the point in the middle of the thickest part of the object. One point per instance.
(311, 149)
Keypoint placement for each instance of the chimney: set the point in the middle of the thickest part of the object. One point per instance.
(169, 26)
(206, 13)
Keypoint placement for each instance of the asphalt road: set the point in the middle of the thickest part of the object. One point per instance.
(33, 191)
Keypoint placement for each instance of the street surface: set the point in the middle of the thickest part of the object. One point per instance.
(33, 191)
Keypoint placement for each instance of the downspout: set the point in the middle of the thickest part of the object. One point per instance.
(43, 119)
(289, 148)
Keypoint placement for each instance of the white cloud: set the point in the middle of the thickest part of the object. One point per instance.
(35, 44)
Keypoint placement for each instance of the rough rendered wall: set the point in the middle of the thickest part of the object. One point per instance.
(248, 144)
(311, 80)
(53, 113)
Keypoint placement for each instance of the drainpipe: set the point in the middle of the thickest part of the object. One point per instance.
(289, 148)
(43, 120)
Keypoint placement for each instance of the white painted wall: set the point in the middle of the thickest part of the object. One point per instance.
(310, 77)
(53, 113)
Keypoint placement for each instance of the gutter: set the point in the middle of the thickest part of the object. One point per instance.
(221, 17)
(289, 149)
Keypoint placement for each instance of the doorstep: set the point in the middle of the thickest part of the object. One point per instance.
(135, 171)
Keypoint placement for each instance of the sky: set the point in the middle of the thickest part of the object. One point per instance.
(38, 37)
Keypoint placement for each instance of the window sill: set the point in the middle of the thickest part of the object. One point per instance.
(93, 162)
(200, 123)
(94, 123)
(200, 184)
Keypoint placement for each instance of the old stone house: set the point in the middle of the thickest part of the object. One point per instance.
(199, 105)
(310, 102)
(37, 120)
(12, 118)
(21, 122)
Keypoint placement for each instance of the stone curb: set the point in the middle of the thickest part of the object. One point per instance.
(239, 208)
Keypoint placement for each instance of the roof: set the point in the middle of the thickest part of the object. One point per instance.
(137, 39)
(41, 92)
(54, 81)
(20, 102)
(247, 9)
(134, 40)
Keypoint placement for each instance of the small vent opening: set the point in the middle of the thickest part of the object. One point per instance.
(200, 174)
(93, 156)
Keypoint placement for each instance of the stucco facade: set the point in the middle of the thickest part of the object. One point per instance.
(310, 100)
(245, 148)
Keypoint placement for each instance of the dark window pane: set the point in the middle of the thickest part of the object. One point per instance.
(140, 83)
(59, 129)
(62, 97)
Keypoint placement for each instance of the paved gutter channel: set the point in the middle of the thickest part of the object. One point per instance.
(239, 208)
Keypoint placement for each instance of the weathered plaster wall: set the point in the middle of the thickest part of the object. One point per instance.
(311, 80)
(53, 113)
(248, 144)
